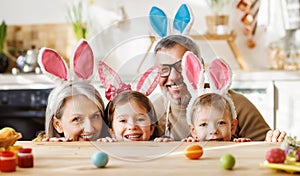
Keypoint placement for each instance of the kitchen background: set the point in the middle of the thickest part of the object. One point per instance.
(36, 12)
(273, 89)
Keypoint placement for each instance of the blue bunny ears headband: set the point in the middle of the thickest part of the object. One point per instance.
(181, 23)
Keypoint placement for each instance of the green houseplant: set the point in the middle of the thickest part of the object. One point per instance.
(218, 6)
(3, 57)
(75, 18)
(217, 21)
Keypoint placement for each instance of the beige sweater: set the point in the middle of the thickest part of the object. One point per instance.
(251, 124)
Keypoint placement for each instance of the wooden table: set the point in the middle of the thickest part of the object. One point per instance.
(145, 158)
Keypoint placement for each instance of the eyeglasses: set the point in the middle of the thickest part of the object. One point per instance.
(166, 68)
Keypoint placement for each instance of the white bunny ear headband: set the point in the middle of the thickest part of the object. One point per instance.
(220, 78)
(181, 23)
(81, 63)
(114, 85)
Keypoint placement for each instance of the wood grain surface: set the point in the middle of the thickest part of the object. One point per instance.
(145, 158)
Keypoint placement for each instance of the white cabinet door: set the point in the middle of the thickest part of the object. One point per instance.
(287, 98)
(261, 94)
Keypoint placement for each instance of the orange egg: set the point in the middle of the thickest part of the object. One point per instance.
(193, 152)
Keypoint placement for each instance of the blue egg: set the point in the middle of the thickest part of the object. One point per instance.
(100, 159)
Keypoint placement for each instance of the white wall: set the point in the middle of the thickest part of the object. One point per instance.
(54, 11)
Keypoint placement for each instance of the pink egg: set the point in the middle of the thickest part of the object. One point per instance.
(298, 155)
(275, 155)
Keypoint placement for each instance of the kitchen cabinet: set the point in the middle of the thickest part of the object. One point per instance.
(275, 94)
(287, 98)
(261, 94)
(23, 100)
(290, 12)
(277, 101)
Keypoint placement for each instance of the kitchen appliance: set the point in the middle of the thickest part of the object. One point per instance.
(23, 101)
(28, 63)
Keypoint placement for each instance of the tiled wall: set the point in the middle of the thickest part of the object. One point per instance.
(56, 36)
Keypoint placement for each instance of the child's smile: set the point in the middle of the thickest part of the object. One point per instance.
(131, 123)
(133, 136)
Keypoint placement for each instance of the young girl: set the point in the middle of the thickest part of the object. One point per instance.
(75, 108)
(131, 117)
(130, 114)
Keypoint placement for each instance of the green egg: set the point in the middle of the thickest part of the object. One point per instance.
(227, 161)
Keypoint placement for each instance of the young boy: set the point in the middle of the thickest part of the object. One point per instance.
(212, 120)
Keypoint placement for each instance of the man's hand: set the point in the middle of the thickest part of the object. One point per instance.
(241, 140)
(275, 136)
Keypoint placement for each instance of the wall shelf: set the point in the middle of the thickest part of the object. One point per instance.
(230, 38)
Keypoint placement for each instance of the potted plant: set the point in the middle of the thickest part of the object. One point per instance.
(217, 21)
(3, 57)
(76, 19)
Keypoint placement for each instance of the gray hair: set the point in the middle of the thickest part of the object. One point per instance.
(172, 40)
(58, 96)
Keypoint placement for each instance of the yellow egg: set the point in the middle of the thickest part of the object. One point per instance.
(7, 132)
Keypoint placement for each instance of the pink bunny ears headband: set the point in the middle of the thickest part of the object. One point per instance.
(114, 85)
(181, 23)
(219, 74)
(81, 63)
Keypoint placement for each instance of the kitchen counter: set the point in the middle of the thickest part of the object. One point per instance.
(43, 81)
(268, 75)
(25, 81)
(145, 158)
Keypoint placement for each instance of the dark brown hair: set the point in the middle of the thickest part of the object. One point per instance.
(140, 99)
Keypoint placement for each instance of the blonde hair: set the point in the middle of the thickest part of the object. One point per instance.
(213, 100)
(58, 96)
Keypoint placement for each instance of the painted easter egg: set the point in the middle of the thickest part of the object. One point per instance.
(100, 159)
(298, 155)
(275, 155)
(193, 152)
(227, 161)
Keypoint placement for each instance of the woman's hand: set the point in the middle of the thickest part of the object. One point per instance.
(190, 139)
(107, 139)
(275, 136)
(56, 139)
